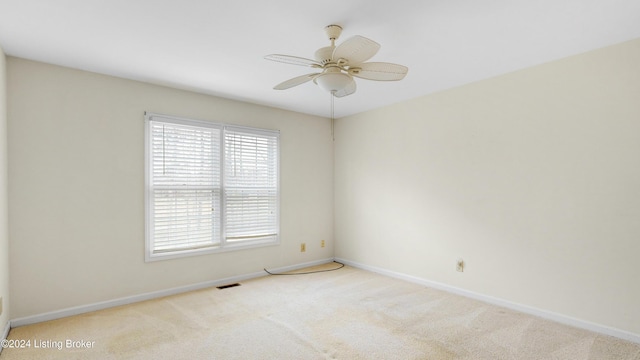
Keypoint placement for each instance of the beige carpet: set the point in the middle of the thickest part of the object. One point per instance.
(343, 314)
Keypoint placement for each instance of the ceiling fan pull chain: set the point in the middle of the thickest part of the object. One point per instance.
(333, 136)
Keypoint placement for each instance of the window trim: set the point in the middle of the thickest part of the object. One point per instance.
(224, 246)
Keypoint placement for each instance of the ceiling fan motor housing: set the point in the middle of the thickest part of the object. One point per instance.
(323, 55)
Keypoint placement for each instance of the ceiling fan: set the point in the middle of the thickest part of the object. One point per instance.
(339, 64)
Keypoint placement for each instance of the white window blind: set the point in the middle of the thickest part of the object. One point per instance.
(210, 187)
(251, 184)
(185, 186)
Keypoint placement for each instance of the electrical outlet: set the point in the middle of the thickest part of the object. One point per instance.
(303, 247)
(321, 243)
(460, 265)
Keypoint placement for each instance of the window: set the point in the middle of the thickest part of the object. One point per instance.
(209, 187)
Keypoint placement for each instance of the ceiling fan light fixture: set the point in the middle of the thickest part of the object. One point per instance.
(333, 81)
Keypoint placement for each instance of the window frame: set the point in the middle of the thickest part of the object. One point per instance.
(224, 245)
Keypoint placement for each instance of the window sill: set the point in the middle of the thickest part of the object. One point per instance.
(211, 250)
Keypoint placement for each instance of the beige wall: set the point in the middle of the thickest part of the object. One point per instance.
(533, 178)
(4, 232)
(76, 181)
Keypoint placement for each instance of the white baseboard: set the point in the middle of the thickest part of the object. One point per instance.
(5, 333)
(152, 295)
(563, 319)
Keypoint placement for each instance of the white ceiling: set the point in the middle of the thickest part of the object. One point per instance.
(217, 47)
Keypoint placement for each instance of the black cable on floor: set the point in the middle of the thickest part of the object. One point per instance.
(309, 272)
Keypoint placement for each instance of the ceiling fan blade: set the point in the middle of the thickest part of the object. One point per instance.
(379, 71)
(348, 90)
(295, 60)
(299, 80)
(356, 49)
